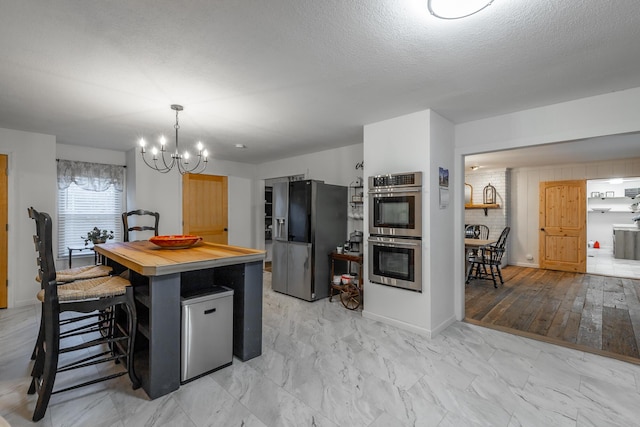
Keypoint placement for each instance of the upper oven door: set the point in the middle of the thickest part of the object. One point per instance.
(396, 213)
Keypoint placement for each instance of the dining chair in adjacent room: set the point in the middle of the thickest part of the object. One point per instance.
(146, 217)
(486, 263)
(476, 231)
(73, 323)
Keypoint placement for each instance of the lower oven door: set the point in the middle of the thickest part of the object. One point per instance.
(396, 262)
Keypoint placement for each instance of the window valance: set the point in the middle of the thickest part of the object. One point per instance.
(90, 176)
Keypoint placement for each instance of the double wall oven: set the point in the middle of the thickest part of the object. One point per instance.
(395, 230)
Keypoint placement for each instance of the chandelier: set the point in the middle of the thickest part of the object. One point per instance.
(456, 9)
(182, 161)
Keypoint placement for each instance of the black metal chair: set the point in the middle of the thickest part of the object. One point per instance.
(140, 213)
(86, 301)
(485, 264)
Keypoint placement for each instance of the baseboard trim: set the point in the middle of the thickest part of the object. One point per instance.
(397, 323)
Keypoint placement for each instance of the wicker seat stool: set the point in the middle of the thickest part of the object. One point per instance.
(70, 275)
(111, 341)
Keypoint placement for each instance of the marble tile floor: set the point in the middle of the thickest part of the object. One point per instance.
(323, 365)
(601, 261)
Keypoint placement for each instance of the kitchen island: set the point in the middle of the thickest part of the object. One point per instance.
(626, 241)
(159, 276)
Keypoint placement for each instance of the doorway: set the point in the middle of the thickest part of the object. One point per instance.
(554, 306)
(205, 207)
(611, 206)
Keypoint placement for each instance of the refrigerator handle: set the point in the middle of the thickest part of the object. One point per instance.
(280, 228)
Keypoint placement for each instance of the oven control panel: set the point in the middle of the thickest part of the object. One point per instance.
(410, 179)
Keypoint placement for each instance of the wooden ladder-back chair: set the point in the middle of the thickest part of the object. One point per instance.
(486, 263)
(67, 276)
(140, 213)
(86, 301)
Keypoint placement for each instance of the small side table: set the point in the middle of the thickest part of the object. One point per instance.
(350, 295)
(80, 249)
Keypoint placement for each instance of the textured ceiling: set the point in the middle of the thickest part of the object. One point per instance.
(292, 77)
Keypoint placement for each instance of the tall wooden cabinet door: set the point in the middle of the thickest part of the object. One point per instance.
(563, 241)
(3, 231)
(204, 207)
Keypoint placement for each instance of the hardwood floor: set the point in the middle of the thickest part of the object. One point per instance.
(593, 313)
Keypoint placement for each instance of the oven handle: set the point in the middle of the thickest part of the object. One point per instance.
(395, 190)
(391, 243)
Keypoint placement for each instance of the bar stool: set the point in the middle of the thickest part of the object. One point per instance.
(90, 298)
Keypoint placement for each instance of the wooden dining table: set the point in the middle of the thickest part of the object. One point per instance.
(160, 275)
(474, 244)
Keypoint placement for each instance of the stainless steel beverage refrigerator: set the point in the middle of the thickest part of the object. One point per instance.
(310, 220)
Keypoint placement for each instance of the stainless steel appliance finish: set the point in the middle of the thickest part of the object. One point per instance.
(207, 332)
(395, 205)
(311, 219)
(280, 201)
(396, 262)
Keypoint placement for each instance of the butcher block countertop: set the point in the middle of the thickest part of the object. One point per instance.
(148, 259)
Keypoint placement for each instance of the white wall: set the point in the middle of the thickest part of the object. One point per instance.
(335, 166)
(440, 222)
(243, 210)
(32, 182)
(90, 154)
(607, 114)
(398, 145)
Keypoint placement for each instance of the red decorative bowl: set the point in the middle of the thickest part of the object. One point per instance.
(175, 241)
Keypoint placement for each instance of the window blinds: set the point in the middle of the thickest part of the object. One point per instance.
(80, 210)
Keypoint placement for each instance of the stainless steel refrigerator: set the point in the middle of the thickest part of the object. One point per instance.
(310, 220)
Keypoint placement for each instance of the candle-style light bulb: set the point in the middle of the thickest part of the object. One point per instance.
(163, 141)
(186, 157)
(142, 142)
(200, 146)
(205, 154)
(154, 152)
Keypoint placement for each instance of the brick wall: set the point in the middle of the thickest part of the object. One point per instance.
(496, 219)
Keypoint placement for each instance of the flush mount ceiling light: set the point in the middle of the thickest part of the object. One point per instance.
(241, 146)
(456, 9)
(474, 168)
(177, 159)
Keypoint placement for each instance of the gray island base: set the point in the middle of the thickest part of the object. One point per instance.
(160, 277)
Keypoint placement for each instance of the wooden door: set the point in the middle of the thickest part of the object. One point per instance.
(204, 207)
(3, 230)
(563, 225)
